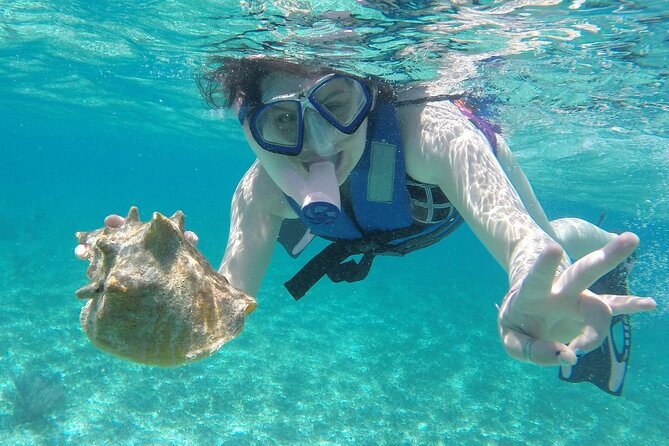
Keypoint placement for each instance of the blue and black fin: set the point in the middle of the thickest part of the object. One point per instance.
(606, 366)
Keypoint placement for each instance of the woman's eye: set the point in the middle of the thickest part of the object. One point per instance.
(335, 105)
(285, 118)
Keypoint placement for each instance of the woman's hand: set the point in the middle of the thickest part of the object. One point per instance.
(551, 319)
(116, 221)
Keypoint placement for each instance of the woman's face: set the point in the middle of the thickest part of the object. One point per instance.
(321, 140)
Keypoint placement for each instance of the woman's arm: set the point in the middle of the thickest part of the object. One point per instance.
(548, 304)
(257, 210)
(447, 150)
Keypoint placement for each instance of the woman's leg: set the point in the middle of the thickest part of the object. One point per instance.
(577, 237)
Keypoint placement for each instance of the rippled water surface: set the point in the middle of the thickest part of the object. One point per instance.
(575, 81)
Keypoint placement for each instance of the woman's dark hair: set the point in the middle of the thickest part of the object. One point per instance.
(231, 78)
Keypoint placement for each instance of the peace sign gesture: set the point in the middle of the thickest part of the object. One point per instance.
(552, 319)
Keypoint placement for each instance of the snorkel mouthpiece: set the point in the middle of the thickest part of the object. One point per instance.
(321, 212)
(321, 204)
(317, 195)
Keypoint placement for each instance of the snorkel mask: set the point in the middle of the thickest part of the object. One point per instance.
(335, 104)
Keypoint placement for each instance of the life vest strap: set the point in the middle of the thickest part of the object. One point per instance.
(331, 261)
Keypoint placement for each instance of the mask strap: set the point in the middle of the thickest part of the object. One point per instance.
(241, 108)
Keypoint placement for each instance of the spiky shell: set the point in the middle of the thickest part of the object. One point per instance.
(152, 297)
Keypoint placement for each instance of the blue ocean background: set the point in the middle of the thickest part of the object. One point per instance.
(99, 111)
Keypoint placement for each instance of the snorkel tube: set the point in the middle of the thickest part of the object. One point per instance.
(316, 194)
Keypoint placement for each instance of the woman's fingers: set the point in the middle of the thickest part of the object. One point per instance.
(191, 237)
(80, 251)
(539, 280)
(590, 314)
(526, 348)
(587, 270)
(111, 221)
(114, 221)
(596, 315)
(628, 304)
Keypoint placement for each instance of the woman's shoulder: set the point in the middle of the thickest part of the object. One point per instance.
(421, 110)
(429, 130)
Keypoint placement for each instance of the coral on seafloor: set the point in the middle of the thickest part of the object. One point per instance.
(36, 394)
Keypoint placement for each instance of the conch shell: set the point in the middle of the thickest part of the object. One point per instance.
(152, 297)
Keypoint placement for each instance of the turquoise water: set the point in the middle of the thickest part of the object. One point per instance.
(99, 111)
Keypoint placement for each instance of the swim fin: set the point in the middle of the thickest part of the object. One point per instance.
(606, 366)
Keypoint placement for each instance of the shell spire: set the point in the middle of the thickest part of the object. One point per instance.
(82, 236)
(89, 291)
(107, 247)
(162, 237)
(133, 214)
(179, 220)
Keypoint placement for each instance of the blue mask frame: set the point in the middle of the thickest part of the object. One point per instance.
(306, 99)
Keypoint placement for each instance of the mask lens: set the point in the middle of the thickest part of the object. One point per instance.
(276, 126)
(343, 101)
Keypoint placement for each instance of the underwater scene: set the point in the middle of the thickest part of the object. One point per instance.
(100, 110)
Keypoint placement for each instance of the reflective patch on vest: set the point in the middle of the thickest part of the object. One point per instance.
(381, 172)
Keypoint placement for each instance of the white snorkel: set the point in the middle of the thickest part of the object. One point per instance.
(317, 194)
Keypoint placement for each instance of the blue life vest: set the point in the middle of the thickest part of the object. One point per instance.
(378, 197)
(379, 214)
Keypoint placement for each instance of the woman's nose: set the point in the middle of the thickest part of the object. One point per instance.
(319, 134)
